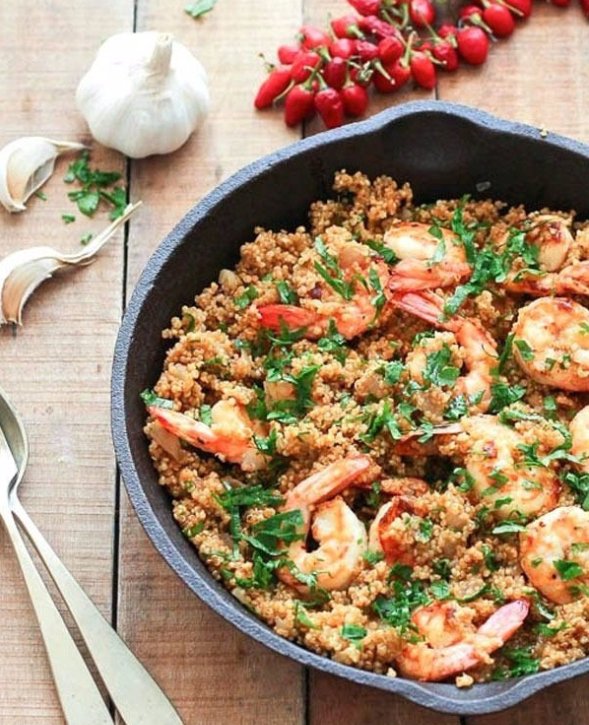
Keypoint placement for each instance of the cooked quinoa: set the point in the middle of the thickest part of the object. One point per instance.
(392, 393)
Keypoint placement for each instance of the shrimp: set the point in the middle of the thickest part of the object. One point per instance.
(363, 281)
(554, 553)
(497, 476)
(418, 249)
(336, 528)
(392, 539)
(553, 239)
(449, 653)
(579, 429)
(551, 343)
(230, 435)
(480, 349)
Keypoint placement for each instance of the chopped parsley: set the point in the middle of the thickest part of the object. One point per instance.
(333, 342)
(457, 408)
(247, 297)
(437, 369)
(392, 371)
(353, 632)
(490, 558)
(95, 187)
(268, 535)
(579, 483)
(199, 8)
(508, 527)
(522, 662)
(503, 394)
(440, 590)
(331, 271)
(548, 630)
(249, 496)
(524, 350)
(382, 250)
(407, 595)
(426, 527)
(568, 570)
(205, 414)
(191, 531)
(68, 218)
(373, 557)
(378, 301)
(286, 293)
(505, 353)
(382, 419)
(302, 616)
(150, 398)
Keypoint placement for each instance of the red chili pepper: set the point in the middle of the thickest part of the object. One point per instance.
(500, 20)
(473, 45)
(422, 13)
(342, 48)
(523, 8)
(346, 26)
(446, 30)
(287, 53)
(303, 65)
(355, 99)
(366, 50)
(312, 37)
(299, 105)
(375, 26)
(399, 75)
(423, 70)
(362, 76)
(468, 11)
(585, 7)
(390, 49)
(447, 55)
(276, 83)
(561, 3)
(330, 107)
(335, 72)
(366, 7)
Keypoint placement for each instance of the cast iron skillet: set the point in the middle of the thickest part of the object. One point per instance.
(445, 151)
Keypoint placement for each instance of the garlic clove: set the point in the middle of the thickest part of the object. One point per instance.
(144, 94)
(25, 165)
(23, 271)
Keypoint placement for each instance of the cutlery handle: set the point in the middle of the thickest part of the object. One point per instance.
(80, 698)
(137, 697)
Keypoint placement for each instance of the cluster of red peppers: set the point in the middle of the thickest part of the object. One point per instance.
(385, 43)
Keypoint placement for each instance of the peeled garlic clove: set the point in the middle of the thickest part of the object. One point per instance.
(25, 165)
(23, 271)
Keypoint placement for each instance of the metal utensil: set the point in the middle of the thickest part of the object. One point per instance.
(137, 697)
(80, 699)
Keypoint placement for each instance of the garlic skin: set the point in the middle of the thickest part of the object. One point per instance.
(25, 165)
(23, 271)
(144, 94)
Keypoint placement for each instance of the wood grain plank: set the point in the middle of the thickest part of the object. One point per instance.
(56, 369)
(213, 673)
(332, 700)
(540, 76)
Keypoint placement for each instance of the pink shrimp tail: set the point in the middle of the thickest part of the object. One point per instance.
(274, 317)
(411, 274)
(426, 305)
(329, 481)
(506, 620)
(192, 431)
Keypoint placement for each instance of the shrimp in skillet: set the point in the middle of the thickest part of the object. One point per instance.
(389, 533)
(554, 553)
(480, 349)
(496, 473)
(230, 435)
(360, 281)
(551, 343)
(339, 533)
(427, 261)
(448, 649)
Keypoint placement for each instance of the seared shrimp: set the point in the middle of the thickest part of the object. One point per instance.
(480, 349)
(551, 343)
(492, 459)
(579, 429)
(418, 249)
(364, 281)
(230, 435)
(340, 535)
(448, 653)
(554, 553)
(571, 280)
(390, 538)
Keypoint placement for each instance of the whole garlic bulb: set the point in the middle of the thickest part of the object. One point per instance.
(144, 94)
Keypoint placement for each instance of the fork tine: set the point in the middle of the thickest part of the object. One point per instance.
(8, 465)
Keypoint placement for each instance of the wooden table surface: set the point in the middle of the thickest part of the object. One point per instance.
(56, 369)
